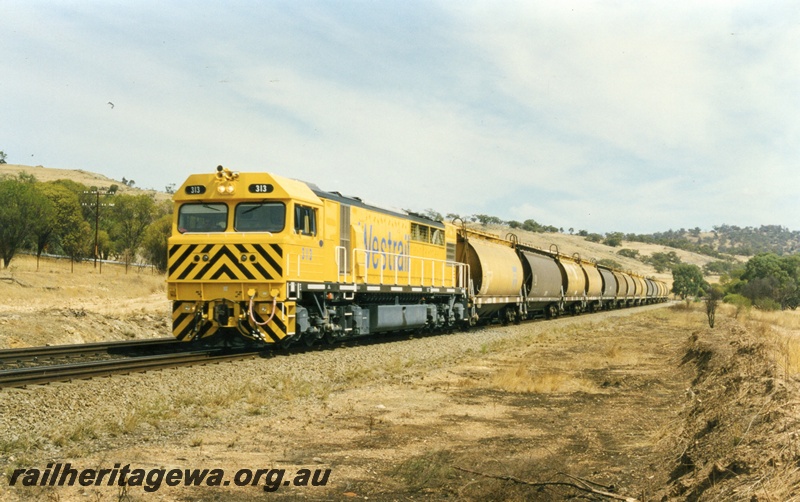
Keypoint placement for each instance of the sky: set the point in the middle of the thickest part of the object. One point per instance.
(631, 116)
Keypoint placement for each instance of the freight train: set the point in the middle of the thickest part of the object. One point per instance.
(279, 261)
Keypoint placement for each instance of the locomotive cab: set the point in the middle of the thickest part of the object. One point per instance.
(234, 236)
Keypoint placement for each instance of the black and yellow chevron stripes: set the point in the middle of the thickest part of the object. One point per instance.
(238, 262)
(275, 330)
(183, 322)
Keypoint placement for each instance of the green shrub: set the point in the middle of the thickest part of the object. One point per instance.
(738, 300)
(767, 304)
(628, 253)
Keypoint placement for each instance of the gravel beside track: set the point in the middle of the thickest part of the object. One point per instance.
(48, 417)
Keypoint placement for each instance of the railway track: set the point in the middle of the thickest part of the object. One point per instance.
(35, 355)
(39, 365)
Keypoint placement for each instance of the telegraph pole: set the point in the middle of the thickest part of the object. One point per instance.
(97, 192)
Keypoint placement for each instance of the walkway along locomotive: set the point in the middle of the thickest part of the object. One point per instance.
(277, 261)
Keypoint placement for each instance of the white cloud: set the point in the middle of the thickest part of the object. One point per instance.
(596, 115)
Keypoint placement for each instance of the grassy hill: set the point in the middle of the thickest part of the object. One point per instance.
(87, 178)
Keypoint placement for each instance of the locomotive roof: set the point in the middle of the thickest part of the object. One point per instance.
(356, 201)
(287, 187)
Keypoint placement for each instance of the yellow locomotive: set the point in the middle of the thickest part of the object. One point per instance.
(278, 261)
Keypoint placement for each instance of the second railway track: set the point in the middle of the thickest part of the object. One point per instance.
(38, 365)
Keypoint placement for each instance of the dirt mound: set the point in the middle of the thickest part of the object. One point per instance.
(741, 429)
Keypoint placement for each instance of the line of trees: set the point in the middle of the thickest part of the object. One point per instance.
(730, 239)
(767, 281)
(59, 217)
(485, 219)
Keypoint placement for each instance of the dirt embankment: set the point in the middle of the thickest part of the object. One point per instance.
(65, 302)
(741, 433)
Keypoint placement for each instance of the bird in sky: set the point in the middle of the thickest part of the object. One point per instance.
(112, 104)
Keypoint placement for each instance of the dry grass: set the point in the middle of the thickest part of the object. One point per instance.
(58, 279)
(521, 380)
(780, 330)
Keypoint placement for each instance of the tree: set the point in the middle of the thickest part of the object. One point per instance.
(629, 253)
(61, 215)
(532, 226)
(608, 262)
(715, 293)
(131, 216)
(2, 157)
(104, 244)
(687, 281)
(43, 226)
(485, 219)
(432, 214)
(768, 276)
(663, 261)
(154, 244)
(21, 204)
(613, 239)
(75, 244)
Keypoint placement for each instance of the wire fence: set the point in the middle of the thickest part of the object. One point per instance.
(27, 262)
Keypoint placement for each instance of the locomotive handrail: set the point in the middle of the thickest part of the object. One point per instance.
(427, 276)
(341, 273)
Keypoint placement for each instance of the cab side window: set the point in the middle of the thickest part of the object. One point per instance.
(305, 220)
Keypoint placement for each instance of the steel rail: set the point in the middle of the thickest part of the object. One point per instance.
(78, 371)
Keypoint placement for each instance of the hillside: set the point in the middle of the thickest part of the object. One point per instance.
(87, 178)
(730, 239)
